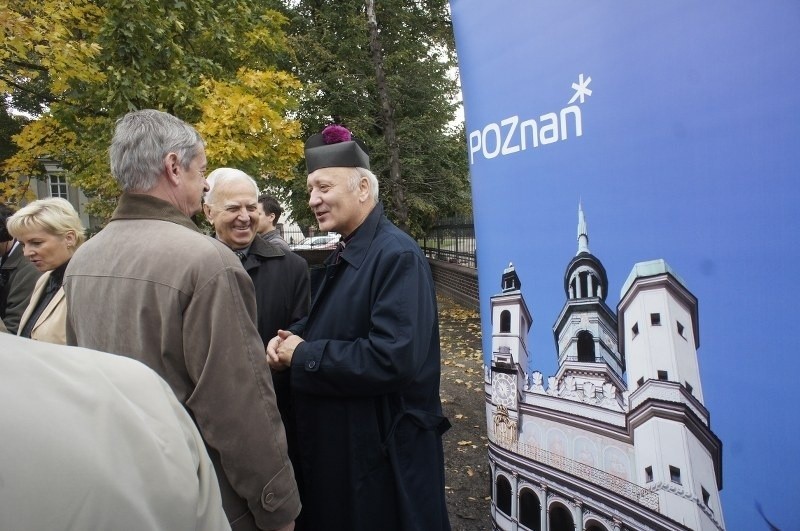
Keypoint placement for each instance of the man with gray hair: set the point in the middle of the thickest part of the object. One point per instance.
(280, 277)
(152, 287)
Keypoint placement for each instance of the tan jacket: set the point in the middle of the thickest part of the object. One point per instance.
(95, 441)
(151, 287)
(52, 323)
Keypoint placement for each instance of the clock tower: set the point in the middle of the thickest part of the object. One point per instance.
(511, 321)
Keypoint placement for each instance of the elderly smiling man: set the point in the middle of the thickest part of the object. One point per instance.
(280, 277)
(365, 365)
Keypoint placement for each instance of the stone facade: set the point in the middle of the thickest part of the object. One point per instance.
(585, 449)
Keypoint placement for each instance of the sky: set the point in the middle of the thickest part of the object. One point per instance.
(688, 151)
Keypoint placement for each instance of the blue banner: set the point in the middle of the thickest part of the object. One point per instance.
(675, 126)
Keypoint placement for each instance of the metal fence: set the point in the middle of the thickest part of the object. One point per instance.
(451, 240)
(315, 240)
(293, 236)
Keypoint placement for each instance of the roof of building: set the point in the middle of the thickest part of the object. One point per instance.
(650, 268)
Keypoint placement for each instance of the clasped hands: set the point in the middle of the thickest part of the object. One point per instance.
(280, 350)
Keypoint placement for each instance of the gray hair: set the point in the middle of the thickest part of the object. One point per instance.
(53, 215)
(363, 173)
(141, 141)
(226, 175)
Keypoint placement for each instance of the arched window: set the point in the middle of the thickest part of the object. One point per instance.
(530, 510)
(594, 526)
(505, 322)
(503, 489)
(561, 519)
(586, 347)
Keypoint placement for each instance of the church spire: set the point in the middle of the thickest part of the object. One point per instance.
(585, 276)
(583, 232)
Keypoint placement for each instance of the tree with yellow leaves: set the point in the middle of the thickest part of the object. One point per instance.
(78, 65)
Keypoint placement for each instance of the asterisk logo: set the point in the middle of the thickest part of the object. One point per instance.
(581, 89)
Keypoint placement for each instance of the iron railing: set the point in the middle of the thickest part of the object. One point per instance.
(451, 240)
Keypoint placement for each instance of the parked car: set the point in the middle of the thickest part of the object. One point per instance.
(328, 241)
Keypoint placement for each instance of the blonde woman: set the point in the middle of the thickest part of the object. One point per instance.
(50, 231)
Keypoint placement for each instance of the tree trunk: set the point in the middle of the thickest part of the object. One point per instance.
(398, 204)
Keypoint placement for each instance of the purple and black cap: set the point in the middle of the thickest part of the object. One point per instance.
(335, 147)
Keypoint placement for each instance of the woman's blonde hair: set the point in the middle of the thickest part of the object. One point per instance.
(54, 215)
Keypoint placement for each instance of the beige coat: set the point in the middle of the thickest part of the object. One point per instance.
(151, 287)
(52, 323)
(94, 441)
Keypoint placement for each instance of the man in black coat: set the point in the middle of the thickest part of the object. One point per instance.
(280, 277)
(365, 364)
(18, 276)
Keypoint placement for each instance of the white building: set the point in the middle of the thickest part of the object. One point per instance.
(584, 449)
(54, 184)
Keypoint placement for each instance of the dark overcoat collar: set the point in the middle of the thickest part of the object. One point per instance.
(356, 250)
(264, 249)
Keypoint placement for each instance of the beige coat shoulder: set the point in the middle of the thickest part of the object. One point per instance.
(52, 323)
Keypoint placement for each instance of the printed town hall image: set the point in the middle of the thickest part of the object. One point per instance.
(588, 448)
(645, 379)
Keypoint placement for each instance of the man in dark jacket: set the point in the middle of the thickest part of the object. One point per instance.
(365, 364)
(17, 276)
(269, 212)
(280, 277)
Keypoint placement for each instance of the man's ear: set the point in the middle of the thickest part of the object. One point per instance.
(207, 212)
(171, 167)
(364, 191)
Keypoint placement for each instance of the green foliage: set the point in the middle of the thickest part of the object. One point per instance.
(9, 126)
(227, 67)
(81, 64)
(330, 40)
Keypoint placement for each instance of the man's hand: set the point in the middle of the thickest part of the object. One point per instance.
(272, 352)
(280, 349)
